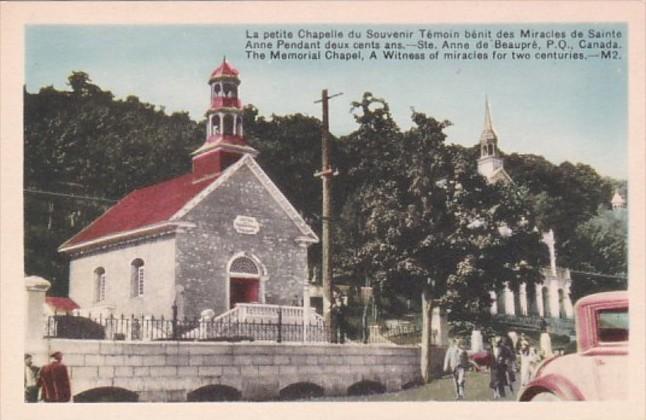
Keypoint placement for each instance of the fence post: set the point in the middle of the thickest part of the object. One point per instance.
(280, 324)
(174, 324)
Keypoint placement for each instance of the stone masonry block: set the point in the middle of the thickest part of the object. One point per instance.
(287, 370)
(108, 347)
(187, 371)
(281, 360)
(94, 360)
(157, 360)
(310, 369)
(113, 360)
(255, 349)
(83, 372)
(196, 360)
(163, 371)
(74, 359)
(209, 370)
(268, 371)
(311, 360)
(297, 360)
(353, 360)
(177, 359)
(123, 371)
(221, 360)
(249, 371)
(243, 360)
(147, 349)
(209, 348)
(230, 370)
(106, 371)
(141, 371)
(74, 346)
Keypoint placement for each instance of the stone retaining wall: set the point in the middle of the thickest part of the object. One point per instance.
(168, 371)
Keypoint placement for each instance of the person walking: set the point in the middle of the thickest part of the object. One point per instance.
(456, 362)
(528, 359)
(498, 369)
(54, 380)
(31, 380)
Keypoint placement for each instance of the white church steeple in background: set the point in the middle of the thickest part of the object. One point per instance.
(490, 163)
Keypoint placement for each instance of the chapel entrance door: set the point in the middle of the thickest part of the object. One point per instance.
(243, 290)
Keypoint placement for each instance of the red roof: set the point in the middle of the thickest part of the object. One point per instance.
(143, 207)
(225, 69)
(61, 303)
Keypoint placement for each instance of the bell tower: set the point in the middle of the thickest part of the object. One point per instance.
(490, 161)
(225, 142)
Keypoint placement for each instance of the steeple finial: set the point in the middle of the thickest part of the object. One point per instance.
(488, 125)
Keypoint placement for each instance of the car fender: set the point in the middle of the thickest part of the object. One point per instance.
(556, 384)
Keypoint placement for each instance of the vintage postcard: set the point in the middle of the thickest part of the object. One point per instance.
(323, 209)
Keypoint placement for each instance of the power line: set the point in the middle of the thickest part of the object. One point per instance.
(599, 275)
(72, 196)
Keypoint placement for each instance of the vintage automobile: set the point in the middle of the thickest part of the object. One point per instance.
(597, 371)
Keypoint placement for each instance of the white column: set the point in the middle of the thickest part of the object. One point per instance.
(548, 239)
(509, 301)
(523, 299)
(476, 341)
(569, 309)
(539, 299)
(554, 298)
(35, 319)
(439, 323)
(494, 303)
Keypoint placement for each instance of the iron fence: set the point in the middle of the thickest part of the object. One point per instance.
(148, 328)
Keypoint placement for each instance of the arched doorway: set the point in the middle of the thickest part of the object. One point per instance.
(244, 281)
(562, 313)
(546, 302)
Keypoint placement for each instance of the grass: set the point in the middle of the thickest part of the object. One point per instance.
(476, 389)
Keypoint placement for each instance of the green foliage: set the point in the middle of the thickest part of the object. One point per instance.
(86, 143)
(426, 221)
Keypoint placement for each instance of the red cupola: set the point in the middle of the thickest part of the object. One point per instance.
(224, 143)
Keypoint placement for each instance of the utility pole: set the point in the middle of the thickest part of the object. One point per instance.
(326, 175)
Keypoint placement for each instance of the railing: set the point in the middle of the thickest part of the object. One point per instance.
(263, 313)
(151, 328)
(554, 325)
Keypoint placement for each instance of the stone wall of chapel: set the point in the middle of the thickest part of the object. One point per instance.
(204, 251)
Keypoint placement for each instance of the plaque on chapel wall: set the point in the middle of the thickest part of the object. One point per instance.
(246, 225)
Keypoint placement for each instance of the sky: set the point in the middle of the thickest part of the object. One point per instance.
(564, 111)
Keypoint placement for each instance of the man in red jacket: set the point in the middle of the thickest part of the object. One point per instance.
(54, 380)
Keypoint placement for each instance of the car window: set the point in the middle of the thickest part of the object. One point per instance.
(613, 325)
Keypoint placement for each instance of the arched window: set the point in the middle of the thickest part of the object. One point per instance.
(217, 89)
(546, 302)
(215, 124)
(137, 277)
(99, 284)
(228, 125)
(244, 265)
(239, 126)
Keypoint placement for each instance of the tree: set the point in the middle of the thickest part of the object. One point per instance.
(83, 142)
(432, 225)
(601, 247)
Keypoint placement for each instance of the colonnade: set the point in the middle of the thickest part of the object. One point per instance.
(550, 299)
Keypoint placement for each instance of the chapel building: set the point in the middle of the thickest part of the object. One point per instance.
(217, 236)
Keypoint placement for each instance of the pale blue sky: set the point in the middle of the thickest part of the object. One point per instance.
(573, 111)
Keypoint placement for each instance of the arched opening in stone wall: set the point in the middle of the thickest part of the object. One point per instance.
(106, 394)
(562, 313)
(366, 388)
(214, 393)
(301, 391)
(532, 308)
(546, 302)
